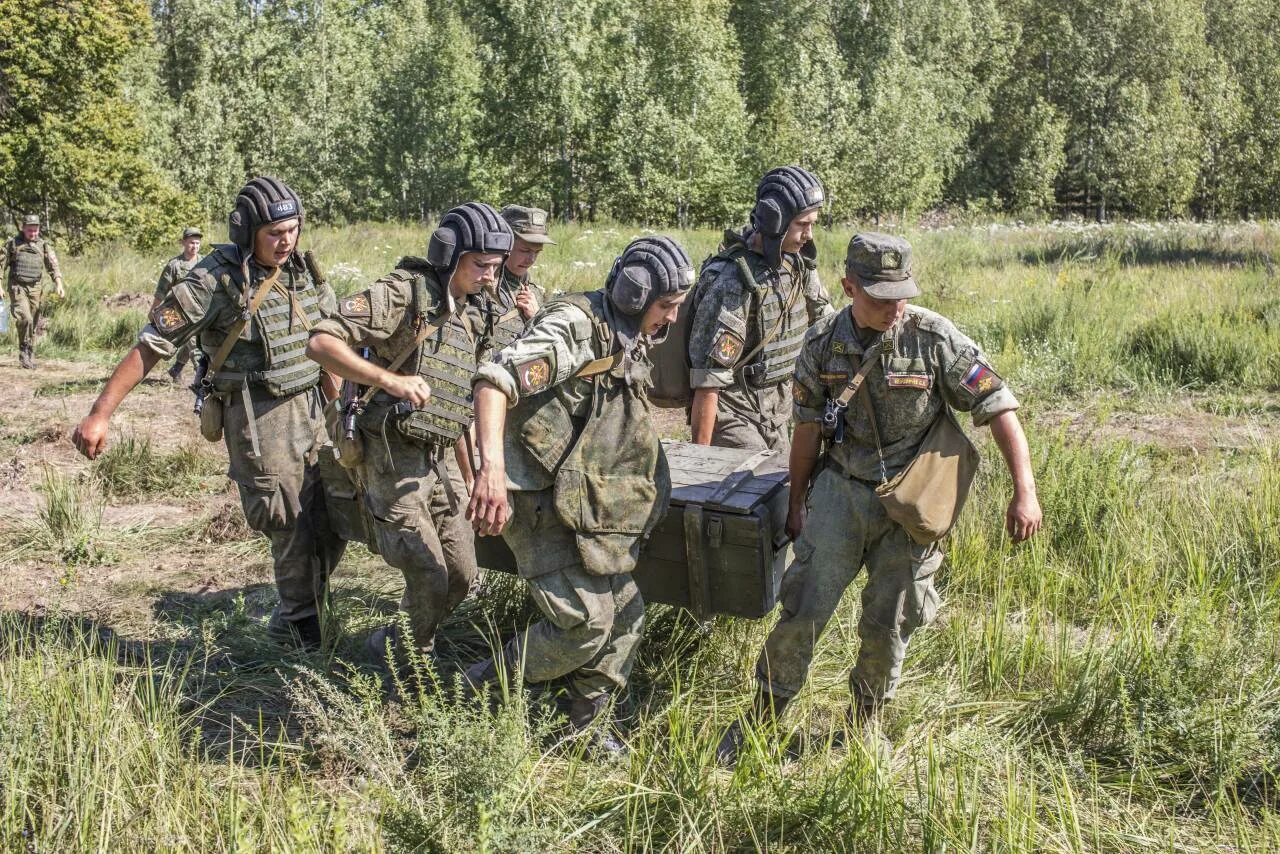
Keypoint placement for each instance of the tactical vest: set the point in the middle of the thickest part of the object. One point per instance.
(277, 361)
(610, 476)
(26, 263)
(507, 323)
(775, 293)
(446, 360)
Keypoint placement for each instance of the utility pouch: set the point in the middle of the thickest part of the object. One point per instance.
(348, 451)
(211, 417)
(927, 496)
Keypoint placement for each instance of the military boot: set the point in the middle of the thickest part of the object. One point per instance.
(862, 724)
(585, 712)
(175, 372)
(484, 679)
(304, 634)
(26, 357)
(765, 709)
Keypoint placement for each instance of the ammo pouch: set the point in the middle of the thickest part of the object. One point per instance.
(927, 496)
(349, 452)
(211, 417)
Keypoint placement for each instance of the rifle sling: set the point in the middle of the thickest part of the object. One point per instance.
(233, 334)
(427, 330)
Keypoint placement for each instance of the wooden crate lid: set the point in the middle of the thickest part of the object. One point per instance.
(723, 479)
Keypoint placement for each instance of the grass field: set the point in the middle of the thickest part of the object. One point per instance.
(1113, 685)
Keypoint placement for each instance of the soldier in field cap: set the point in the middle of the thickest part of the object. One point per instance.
(516, 298)
(26, 258)
(175, 270)
(919, 368)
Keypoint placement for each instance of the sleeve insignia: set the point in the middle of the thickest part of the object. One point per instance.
(534, 375)
(167, 318)
(800, 395)
(981, 379)
(726, 348)
(357, 306)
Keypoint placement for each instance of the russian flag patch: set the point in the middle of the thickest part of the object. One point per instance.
(980, 379)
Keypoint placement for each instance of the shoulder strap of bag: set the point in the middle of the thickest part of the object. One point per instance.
(233, 334)
(427, 330)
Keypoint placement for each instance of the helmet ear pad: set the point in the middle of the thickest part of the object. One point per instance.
(769, 217)
(238, 226)
(631, 288)
(441, 248)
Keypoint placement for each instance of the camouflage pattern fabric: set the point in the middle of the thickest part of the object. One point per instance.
(593, 623)
(419, 530)
(175, 270)
(845, 529)
(932, 364)
(724, 328)
(280, 491)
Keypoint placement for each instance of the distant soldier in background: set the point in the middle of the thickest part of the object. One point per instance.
(753, 303)
(562, 418)
(918, 367)
(425, 325)
(175, 271)
(251, 302)
(26, 258)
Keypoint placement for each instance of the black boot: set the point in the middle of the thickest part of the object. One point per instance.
(26, 357)
(765, 709)
(583, 713)
(301, 634)
(175, 372)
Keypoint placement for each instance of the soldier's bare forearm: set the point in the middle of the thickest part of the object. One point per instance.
(490, 424)
(702, 419)
(806, 445)
(1007, 432)
(337, 358)
(135, 365)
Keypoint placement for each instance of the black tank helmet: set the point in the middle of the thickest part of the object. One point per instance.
(470, 227)
(781, 196)
(649, 269)
(260, 202)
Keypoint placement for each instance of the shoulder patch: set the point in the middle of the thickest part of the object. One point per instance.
(167, 318)
(800, 395)
(727, 347)
(980, 379)
(534, 375)
(357, 306)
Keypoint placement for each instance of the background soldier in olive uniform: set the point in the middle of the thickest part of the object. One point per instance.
(266, 393)
(517, 297)
(175, 270)
(587, 475)
(926, 365)
(26, 257)
(412, 425)
(762, 287)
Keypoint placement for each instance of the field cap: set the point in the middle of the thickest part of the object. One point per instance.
(31, 219)
(191, 232)
(529, 224)
(881, 265)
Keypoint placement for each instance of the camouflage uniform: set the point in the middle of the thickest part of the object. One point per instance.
(728, 323)
(410, 483)
(589, 440)
(26, 261)
(933, 365)
(280, 488)
(505, 320)
(175, 270)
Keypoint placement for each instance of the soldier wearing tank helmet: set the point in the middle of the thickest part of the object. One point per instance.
(26, 258)
(562, 421)
(753, 303)
(424, 325)
(909, 367)
(250, 303)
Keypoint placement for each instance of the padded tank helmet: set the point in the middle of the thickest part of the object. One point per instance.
(781, 196)
(260, 202)
(649, 269)
(470, 227)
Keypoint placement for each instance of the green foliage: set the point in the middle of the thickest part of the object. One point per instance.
(132, 466)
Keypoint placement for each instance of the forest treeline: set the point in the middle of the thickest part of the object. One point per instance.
(121, 119)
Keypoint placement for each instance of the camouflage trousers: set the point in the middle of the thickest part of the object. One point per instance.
(754, 419)
(24, 308)
(281, 493)
(593, 623)
(846, 527)
(419, 531)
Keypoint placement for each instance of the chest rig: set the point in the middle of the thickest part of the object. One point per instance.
(780, 312)
(26, 262)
